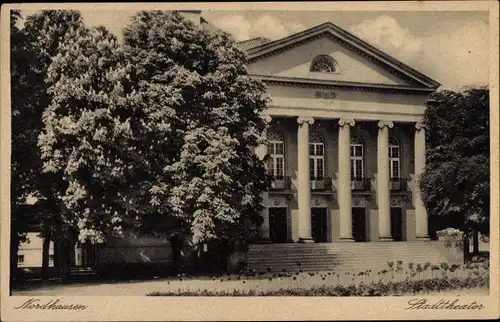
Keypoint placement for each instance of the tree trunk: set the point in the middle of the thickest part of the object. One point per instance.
(475, 243)
(45, 258)
(176, 243)
(466, 248)
(57, 258)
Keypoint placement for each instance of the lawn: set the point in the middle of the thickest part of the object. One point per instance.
(397, 279)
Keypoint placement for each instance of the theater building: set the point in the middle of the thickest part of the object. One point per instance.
(346, 142)
(346, 147)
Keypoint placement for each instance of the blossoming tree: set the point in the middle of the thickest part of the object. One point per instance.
(161, 126)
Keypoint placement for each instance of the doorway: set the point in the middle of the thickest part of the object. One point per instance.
(397, 224)
(359, 224)
(319, 225)
(278, 228)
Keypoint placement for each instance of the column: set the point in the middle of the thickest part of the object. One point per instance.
(78, 254)
(383, 177)
(304, 191)
(420, 211)
(261, 152)
(344, 179)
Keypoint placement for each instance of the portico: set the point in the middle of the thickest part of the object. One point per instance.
(301, 196)
(346, 145)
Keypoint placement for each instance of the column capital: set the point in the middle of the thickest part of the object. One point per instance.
(350, 122)
(420, 126)
(267, 118)
(302, 119)
(389, 124)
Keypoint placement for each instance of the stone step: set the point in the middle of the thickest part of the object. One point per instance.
(387, 255)
(346, 256)
(293, 258)
(83, 271)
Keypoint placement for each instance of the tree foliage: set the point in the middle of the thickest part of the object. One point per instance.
(455, 183)
(32, 50)
(82, 128)
(161, 125)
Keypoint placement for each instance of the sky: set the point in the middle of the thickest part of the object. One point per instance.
(448, 46)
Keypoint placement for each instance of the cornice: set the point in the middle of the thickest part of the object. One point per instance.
(321, 83)
(348, 41)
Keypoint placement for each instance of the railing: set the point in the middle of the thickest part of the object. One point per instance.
(321, 184)
(398, 184)
(360, 184)
(326, 184)
(281, 183)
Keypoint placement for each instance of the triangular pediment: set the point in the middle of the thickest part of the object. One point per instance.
(356, 60)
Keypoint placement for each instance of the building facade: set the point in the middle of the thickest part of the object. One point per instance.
(346, 147)
(346, 140)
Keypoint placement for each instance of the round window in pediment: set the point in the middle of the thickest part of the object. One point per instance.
(324, 64)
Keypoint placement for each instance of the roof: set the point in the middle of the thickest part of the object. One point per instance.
(252, 43)
(257, 48)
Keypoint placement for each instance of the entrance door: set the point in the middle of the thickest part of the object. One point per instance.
(359, 224)
(319, 225)
(397, 224)
(278, 229)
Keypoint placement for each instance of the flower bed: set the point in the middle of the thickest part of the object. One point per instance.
(401, 288)
(398, 278)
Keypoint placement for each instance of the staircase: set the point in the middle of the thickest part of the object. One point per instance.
(345, 256)
(83, 273)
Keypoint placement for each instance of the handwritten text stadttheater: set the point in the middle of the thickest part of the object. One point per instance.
(34, 304)
(422, 304)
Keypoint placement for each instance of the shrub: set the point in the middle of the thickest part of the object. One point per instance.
(452, 237)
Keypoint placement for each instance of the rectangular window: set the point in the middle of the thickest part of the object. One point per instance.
(393, 152)
(322, 150)
(359, 169)
(320, 174)
(279, 148)
(280, 170)
(358, 150)
(394, 169)
(356, 169)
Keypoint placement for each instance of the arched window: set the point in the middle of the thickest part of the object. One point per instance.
(316, 157)
(394, 158)
(324, 63)
(357, 170)
(276, 151)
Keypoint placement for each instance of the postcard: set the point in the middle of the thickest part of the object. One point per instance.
(250, 161)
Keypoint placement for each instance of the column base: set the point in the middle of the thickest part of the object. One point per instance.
(346, 240)
(385, 239)
(422, 238)
(305, 240)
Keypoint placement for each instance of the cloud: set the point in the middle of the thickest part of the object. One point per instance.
(455, 57)
(243, 28)
(459, 58)
(385, 33)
